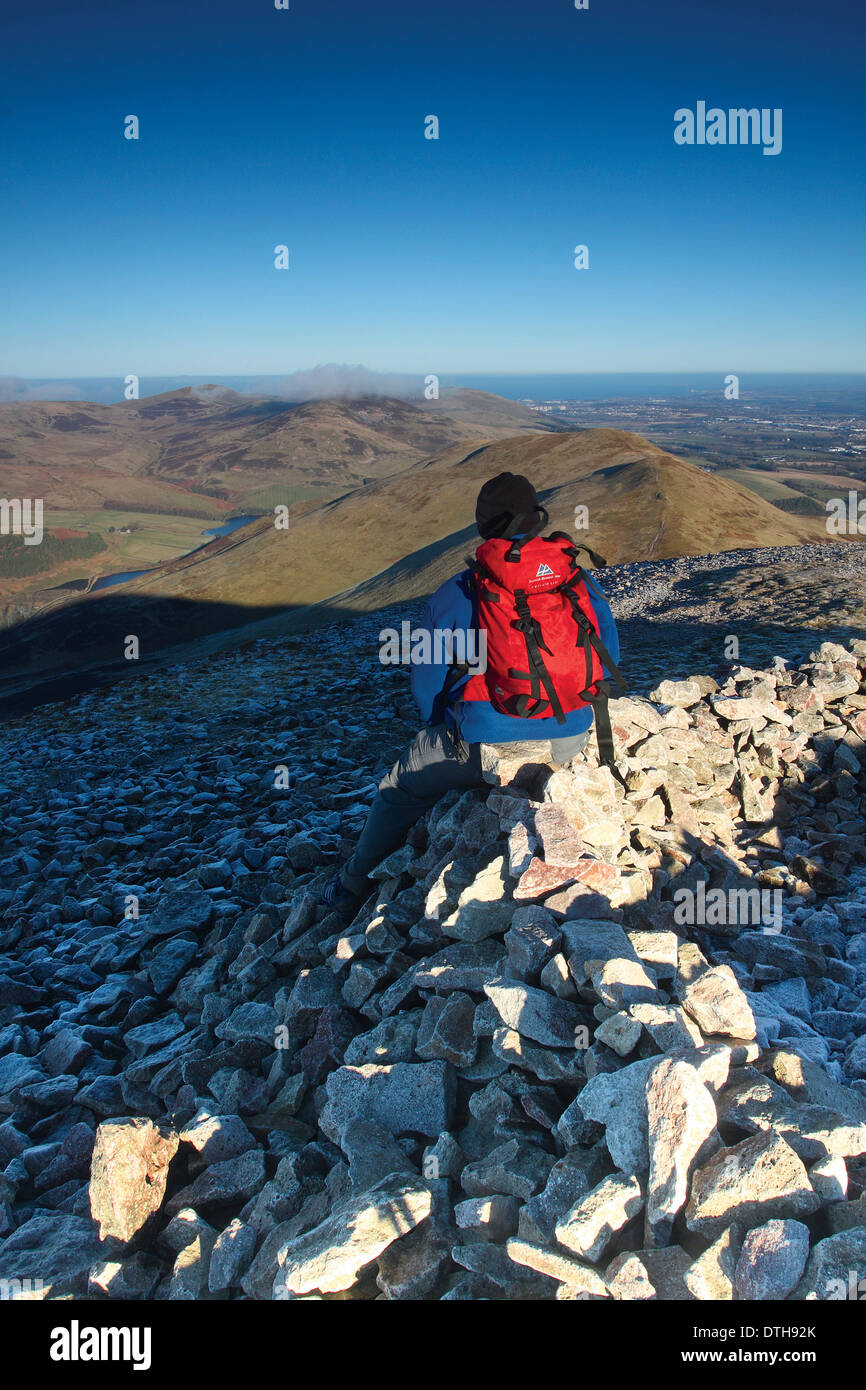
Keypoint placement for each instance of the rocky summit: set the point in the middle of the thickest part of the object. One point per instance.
(587, 1039)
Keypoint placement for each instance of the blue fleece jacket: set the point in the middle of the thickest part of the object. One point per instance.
(451, 609)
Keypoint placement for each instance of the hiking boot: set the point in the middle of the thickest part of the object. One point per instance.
(337, 898)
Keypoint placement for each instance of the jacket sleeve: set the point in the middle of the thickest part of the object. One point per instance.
(449, 610)
(427, 679)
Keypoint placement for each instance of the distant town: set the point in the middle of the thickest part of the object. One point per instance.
(766, 434)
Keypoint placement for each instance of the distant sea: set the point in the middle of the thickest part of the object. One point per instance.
(601, 386)
(828, 390)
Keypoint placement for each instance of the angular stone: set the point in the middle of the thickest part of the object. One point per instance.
(590, 940)
(534, 1013)
(364, 978)
(712, 996)
(493, 1217)
(467, 966)
(170, 962)
(752, 1182)
(330, 1257)
(531, 940)
(772, 1260)
(680, 694)
(66, 1054)
(620, 1033)
(617, 1100)
(836, 1267)
(233, 1180)
(313, 991)
(589, 1226)
(560, 842)
(521, 848)
(540, 878)
(843, 1216)
(180, 909)
(829, 1177)
(483, 908)
(754, 1103)
(231, 1256)
(411, 1268)
(550, 1064)
(404, 1097)
(649, 1274)
(372, 1153)
(668, 1026)
(392, 1040)
(446, 1030)
(49, 1256)
(515, 1169)
(681, 1119)
(711, 1276)
(149, 1036)
(555, 978)
(621, 982)
(189, 1275)
(746, 708)
(578, 1276)
(217, 1137)
(807, 1081)
(128, 1176)
(254, 1022)
(127, 1280)
(570, 1179)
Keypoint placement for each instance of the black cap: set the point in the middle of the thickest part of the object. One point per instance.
(507, 506)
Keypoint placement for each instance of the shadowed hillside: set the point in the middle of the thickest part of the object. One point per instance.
(642, 504)
(392, 541)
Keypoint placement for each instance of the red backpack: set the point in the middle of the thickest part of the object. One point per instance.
(544, 653)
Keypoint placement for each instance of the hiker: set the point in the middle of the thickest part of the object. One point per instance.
(526, 600)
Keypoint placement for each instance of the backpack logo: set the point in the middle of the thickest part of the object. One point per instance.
(544, 571)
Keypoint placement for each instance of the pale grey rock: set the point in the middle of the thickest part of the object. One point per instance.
(711, 1276)
(404, 1097)
(681, 1118)
(580, 1277)
(660, 1275)
(231, 1256)
(836, 1268)
(772, 1260)
(534, 1013)
(329, 1258)
(619, 1032)
(589, 1226)
(617, 1100)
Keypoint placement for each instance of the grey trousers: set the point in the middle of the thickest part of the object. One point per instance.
(421, 775)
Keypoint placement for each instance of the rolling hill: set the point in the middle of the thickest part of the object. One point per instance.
(167, 465)
(396, 539)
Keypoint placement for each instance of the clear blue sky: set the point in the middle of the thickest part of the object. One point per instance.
(305, 127)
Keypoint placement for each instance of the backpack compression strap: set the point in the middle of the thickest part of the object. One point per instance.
(538, 674)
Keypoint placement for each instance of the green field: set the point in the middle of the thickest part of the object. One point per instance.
(766, 485)
(160, 538)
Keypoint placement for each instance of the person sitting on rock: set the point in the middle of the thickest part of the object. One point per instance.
(524, 599)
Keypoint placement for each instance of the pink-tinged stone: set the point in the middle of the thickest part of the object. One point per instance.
(746, 708)
(858, 724)
(595, 873)
(804, 698)
(791, 750)
(541, 878)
